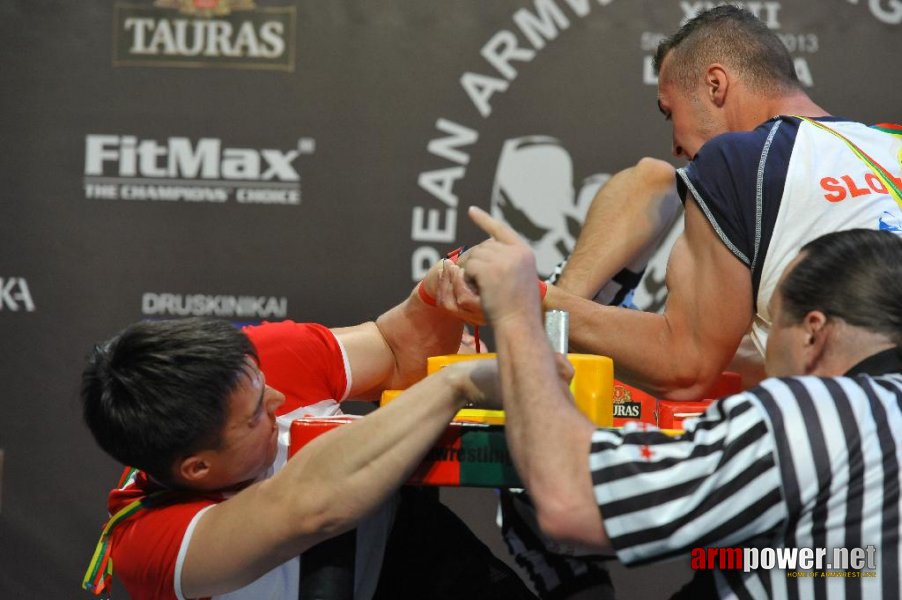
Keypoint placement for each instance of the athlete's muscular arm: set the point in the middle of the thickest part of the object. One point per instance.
(628, 217)
(678, 354)
(328, 486)
(391, 352)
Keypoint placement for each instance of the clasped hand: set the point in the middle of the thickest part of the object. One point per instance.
(493, 281)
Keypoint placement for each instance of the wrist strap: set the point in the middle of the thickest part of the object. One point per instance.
(424, 295)
(454, 255)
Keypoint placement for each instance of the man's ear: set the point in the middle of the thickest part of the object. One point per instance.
(193, 469)
(717, 83)
(814, 324)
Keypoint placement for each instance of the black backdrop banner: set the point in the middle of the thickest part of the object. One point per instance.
(267, 159)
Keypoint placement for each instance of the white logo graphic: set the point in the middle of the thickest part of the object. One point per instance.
(151, 37)
(124, 167)
(887, 11)
(14, 294)
(798, 44)
(505, 53)
(534, 193)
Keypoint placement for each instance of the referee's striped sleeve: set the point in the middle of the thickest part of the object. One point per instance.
(715, 485)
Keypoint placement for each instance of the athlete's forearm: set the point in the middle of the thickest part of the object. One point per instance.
(646, 350)
(360, 464)
(628, 217)
(415, 330)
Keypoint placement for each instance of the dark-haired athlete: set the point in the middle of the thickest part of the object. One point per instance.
(213, 509)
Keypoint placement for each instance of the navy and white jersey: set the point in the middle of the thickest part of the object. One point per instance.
(770, 191)
(800, 462)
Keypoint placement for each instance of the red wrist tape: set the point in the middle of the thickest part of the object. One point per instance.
(454, 255)
(424, 295)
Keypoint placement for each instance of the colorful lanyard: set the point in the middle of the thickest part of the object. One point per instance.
(891, 184)
(99, 575)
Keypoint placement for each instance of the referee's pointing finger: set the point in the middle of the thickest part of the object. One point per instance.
(495, 228)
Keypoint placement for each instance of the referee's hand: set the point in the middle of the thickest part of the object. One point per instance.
(503, 271)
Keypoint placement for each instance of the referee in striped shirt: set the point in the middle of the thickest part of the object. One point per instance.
(809, 459)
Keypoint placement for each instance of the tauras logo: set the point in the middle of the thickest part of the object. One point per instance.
(204, 305)
(204, 33)
(629, 410)
(125, 167)
(14, 294)
(624, 406)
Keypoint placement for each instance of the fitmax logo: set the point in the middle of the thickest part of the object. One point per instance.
(178, 157)
(14, 294)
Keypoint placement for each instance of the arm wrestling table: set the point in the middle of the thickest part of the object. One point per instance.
(472, 451)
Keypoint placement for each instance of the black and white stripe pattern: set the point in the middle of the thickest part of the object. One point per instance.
(556, 572)
(800, 462)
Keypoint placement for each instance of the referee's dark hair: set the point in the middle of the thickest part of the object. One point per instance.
(853, 275)
(735, 37)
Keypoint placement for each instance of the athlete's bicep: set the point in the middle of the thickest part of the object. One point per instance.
(370, 358)
(709, 302)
